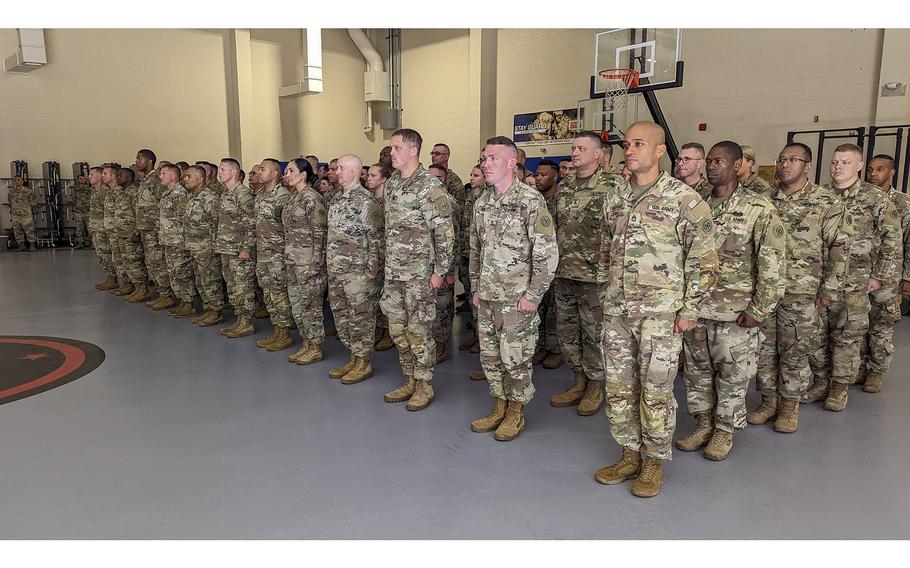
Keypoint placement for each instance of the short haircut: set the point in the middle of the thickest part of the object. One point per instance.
(172, 168)
(439, 167)
(597, 141)
(732, 149)
(695, 146)
(304, 167)
(111, 166)
(805, 149)
(98, 169)
(884, 157)
(446, 146)
(503, 141)
(200, 169)
(548, 162)
(521, 171)
(311, 156)
(383, 170)
(411, 137)
(129, 173)
(149, 155)
(182, 165)
(274, 161)
(233, 163)
(848, 147)
(607, 148)
(566, 161)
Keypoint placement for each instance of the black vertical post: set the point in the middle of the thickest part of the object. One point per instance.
(818, 157)
(898, 142)
(657, 113)
(870, 149)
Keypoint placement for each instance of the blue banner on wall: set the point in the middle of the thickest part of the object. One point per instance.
(545, 127)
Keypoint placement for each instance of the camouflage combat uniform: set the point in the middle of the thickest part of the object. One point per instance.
(514, 254)
(110, 230)
(270, 268)
(456, 189)
(657, 262)
(420, 241)
(21, 201)
(445, 294)
(82, 206)
(148, 221)
(547, 340)
(126, 236)
(236, 234)
(382, 322)
(464, 246)
(200, 227)
(758, 185)
(703, 187)
(721, 356)
(171, 213)
(579, 314)
(352, 250)
(305, 225)
(99, 234)
(875, 246)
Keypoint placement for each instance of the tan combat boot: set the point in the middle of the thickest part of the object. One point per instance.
(261, 312)
(140, 295)
(553, 360)
(153, 301)
(627, 467)
(478, 375)
(650, 479)
(837, 398)
(765, 411)
(303, 350)
(313, 355)
(242, 328)
(200, 317)
(164, 303)
(440, 351)
(264, 342)
(471, 342)
(362, 371)
(185, 310)
(538, 357)
(402, 393)
(283, 340)
(129, 297)
(593, 399)
(385, 342)
(224, 330)
(720, 445)
(861, 374)
(787, 417)
(572, 395)
(344, 369)
(125, 290)
(873, 382)
(513, 423)
(211, 318)
(492, 420)
(422, 397)
(110, 283)
(700, 434)
(817, 391)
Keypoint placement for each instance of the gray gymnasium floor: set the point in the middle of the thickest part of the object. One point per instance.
(184, 434)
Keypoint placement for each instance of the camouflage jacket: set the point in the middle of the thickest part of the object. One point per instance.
(355, 227)
(216, 186)
(110, 207)
(200, 222)
(269, 230)
(751, 248)
(82, 198)
(467, 218)
(514, 252)
(381, 202)
(657, 252)
(305, 219)
(455, 187)
(902, 204)
(703, 187)
(125, 211)
(420, 235)
(579, 211)
(147, 214)
(758, 185)
(236, 221)
(96, 215)
(21, 200)
(330, 196)
(875, 234)
(171, 211)
(817, 239)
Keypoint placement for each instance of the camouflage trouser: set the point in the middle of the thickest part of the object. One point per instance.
(104, 254)
(239, 278)
(117, 255)
(797, 329)
(305, 293)
(464, 276)
(841, 329)
(133, 258)
(445, 311)
(507, 341)
(411, 309)
(207, 268)
(23, 228)
(273, 277)
(767, 371)
(180, 272)
(721, 359)
(353, 299)
(579, 321)
(82, 232)
(641, 357)
(155, 263)
(878, 347)
(547, 340)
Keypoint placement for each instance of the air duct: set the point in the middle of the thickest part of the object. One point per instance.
(375, 79)
(310, 82)
(31, 54)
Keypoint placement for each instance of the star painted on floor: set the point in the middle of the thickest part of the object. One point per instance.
(33, 356)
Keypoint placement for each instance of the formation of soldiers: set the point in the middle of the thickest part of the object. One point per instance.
(623, 276)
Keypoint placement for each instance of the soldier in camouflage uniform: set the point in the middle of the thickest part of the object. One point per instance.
(875, 247)
(472, 192)
(688, 168)
(171, 213)
(579, 314)
(236, 242)
(21, 200)
(110, 176)
(720, 352)
(420, 241)
(129, 240)
(82, 206)
(657, 264)
(816, 263)
(147, 221)
(305, 225)
(439, 156)
(352, 254)
(200, 227)
(750, 179)
(96, 227)
(271, 271)
(878, 346)
(513, 259)
(445, 295)
(548, 352)
(377, 176)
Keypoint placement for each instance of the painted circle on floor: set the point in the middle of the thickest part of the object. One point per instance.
(31, 364)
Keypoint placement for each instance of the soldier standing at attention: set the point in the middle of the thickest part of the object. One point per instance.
(171, 210)
(579, 314)
(21, 200)
(200, 227)
(439, 156)
(445, 295)
(304, 219)
(657, 264)
(420, 241)
(270, 266)
(688, 168)
(128, 238)
(352, 254)
(816, 265)
(377, 176)
(236, 242)
(548, 352)
(875, 247)
(82, 205)
(721, 351)
(749, 178)
(110, 176)
(147, 222)
(96, 226)
(475, 187)
(514, 255)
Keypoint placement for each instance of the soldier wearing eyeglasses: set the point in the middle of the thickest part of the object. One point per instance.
(688, 168)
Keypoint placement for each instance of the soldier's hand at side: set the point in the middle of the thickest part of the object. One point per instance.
(822, 303)
(683, 325)
(525, 306)
(313, 273)
(874, 284)
(135, 238)
(243, 255)
(436, 281)
(475, 300)
(369, 276)
(905, 287)
(745, 320)
(450, 280)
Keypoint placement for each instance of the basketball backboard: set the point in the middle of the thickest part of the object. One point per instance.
(654, 52)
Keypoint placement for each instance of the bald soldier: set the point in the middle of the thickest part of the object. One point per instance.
(689, 165)
(420, 242)
(748, 177)
(96, 227)
(657, 265)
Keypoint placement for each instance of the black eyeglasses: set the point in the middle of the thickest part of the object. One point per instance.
(782, 161)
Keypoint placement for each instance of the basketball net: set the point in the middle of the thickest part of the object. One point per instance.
(615, 84)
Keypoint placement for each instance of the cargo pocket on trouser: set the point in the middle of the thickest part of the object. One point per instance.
(658, 406)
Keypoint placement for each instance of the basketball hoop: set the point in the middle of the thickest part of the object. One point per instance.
(615, 84)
